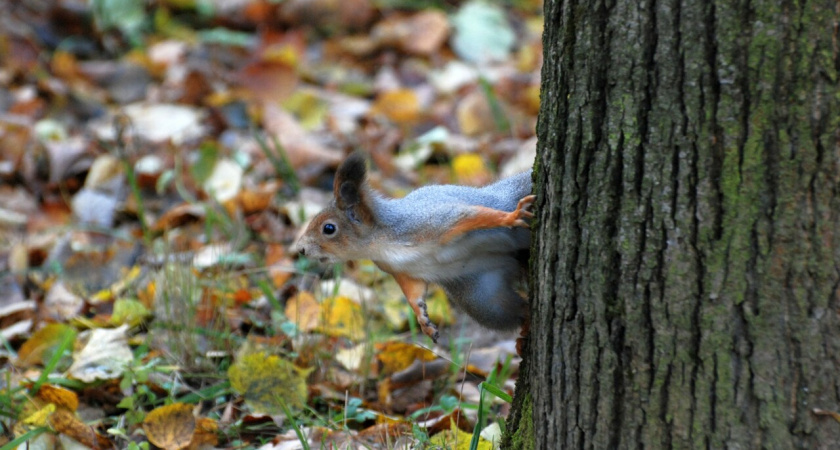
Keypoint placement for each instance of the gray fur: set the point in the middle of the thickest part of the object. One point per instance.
(477, 270)
(432, 206)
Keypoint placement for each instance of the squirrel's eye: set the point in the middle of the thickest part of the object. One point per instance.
(329, 229)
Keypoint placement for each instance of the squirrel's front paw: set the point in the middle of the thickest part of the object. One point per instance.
(426, 324)
(430, 329)
(521, 213)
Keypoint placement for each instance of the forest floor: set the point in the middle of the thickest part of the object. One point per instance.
(157, 161)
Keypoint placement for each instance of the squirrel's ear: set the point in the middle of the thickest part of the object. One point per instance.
(348, 188)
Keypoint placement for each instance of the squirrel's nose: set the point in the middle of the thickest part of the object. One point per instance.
(302, 251)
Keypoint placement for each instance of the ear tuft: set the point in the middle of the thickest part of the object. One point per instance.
(349, 180)
(352, 169)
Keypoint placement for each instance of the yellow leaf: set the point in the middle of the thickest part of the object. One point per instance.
(342, 317)
(128, 311)
(118, 287)
(456, 439)
(470, 169)
(268, 381)
(170, 426)
(282, 54)
(395, 356)
(309, 108)
(401, 106)
(42, 344)
(39, 417)
(438, 307)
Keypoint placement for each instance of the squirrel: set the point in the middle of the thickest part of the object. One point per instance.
(462, 238)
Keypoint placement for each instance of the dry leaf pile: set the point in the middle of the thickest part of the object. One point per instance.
(158, 159)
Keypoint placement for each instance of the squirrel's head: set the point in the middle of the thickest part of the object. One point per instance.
(343, 231)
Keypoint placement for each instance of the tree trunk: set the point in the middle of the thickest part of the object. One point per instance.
(687, 253)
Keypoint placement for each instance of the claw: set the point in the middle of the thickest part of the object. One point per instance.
(426, 325)
(521, 212)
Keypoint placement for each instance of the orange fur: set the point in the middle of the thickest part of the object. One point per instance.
(415, 291)
(484, 218)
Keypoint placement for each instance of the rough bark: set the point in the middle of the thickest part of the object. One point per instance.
(687, 253)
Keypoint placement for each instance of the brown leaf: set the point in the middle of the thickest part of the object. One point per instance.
(171, 426)
(280, 266)
(67, 423)
(268, 80)
(301, 148)
(59, 396)
(179, 215)
(474, 115)
(258, 198)
(205, 433)
(421, 34)
(385, 433)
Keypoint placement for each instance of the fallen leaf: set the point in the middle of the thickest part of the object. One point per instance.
(129, 277)
(302, 149)
(43, 343)
(224, 181)
(400, 106)
(268, 79)
(342, 317)
(60, 397)
(304, 311)
(205, 433)
(105, 355)
(470, 170)
(453, 76)
(158, 123)
(395, 355)
(95, 207)
(129, 312)
(456, 439)
(474, 114)
(522, 160)
(68, 157)
(482, 33)
(105, 173)
(40, 417)
(351, 358)
(421, 34)
(179, 215)
(385, 433)
(268, 381)
(61, 304)
(170, 427)
(259, 198)
(67, 423)
(280, 265)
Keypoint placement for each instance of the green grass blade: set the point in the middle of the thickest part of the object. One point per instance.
(31, 434)
(66, 342)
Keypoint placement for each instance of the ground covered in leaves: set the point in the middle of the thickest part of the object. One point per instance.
(157, 161)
